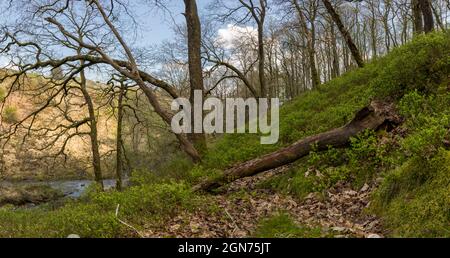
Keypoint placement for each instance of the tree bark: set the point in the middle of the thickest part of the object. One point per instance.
(96, 161)
(262, 59)
(336, 66)
(186, 145)
(370, 118)
(417, 17)
(119, 160)
(345, 34)
(195, 64)
(311, 44)
(438, 18)
(428, 20)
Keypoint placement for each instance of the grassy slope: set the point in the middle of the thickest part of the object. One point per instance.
(413, 199)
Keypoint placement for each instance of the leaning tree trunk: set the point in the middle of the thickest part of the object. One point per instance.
(370, 118)
(438, 18)
(345, 34)
(185, 144)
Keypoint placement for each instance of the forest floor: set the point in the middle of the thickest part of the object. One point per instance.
(339, 213)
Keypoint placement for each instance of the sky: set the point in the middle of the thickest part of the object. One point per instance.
(158, 24)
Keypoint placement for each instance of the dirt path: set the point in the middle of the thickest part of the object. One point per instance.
(237, 215)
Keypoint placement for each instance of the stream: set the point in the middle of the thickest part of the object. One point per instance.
(76, 188)
(70, 188)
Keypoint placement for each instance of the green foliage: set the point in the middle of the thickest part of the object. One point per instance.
(10, 114)
(368, 156)
(420, 65)
(414, 200)
(428, 119)
(149, 199)
(283, 226)
(321, 170)
(180, 169)
(316, 173)
(293, 182)
(84, 219)
(333, 105)
(95, 215)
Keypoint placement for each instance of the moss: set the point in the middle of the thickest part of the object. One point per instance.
(414, 200)
(283, 226)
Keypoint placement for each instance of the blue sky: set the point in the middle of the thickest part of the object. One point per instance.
(158, 25)
(155, 25)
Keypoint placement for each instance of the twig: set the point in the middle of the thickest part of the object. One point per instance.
(236, 227)
(126, 224)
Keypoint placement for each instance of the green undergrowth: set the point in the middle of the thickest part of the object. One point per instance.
(414, 198)
(411, 162)
(420, 65)
(94, 215)
(283, 226)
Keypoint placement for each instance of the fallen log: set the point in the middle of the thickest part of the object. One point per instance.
(373, 117)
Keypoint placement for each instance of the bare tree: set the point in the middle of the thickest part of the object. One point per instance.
(194, 38)
(97, 53)
(311, 36)
(241, 12)
(344, 32)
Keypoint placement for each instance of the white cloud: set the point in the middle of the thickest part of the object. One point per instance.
(233, 35)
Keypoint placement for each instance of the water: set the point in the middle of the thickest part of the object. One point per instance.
(70, 188)
(76, 188)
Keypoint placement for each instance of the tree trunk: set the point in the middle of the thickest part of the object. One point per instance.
(345, 34)
(374, 34)
(119, 160)
(312, 57)
(417, 17)
(195, 64)
(186, 145)
(336, 67)
(96, 161)
(438, 18)
(311, 44)
(428, 20)
(370, 118)
(262, 59)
